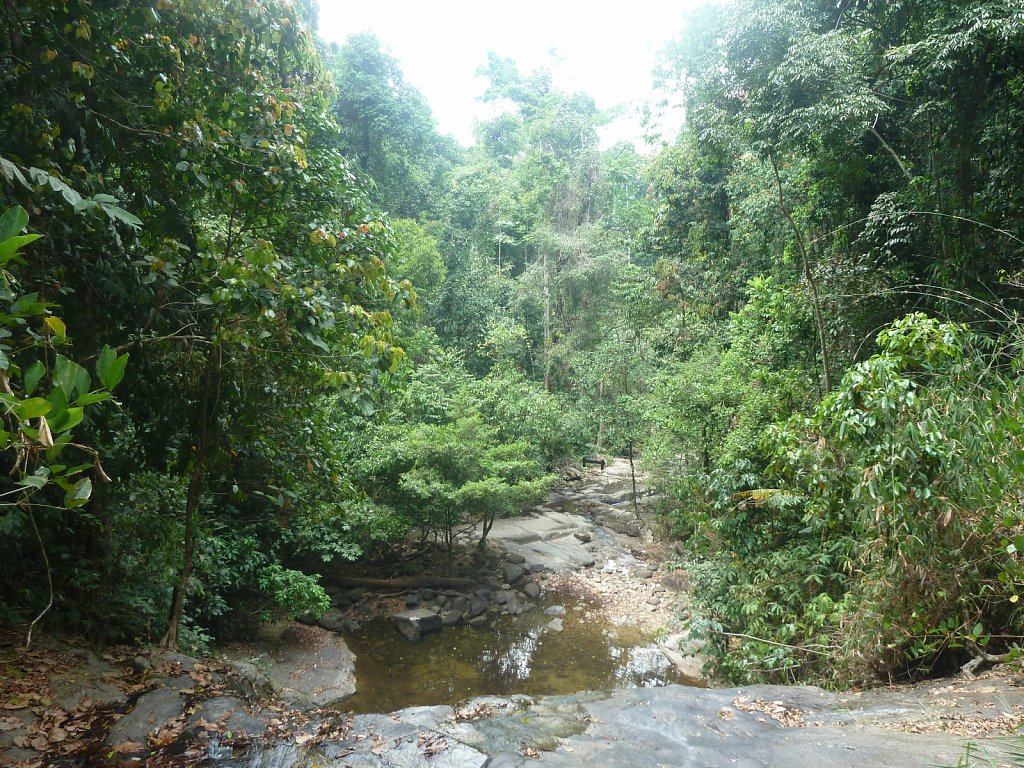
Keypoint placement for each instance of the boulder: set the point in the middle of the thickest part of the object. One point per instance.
(416, 623)
(309, 666)
(555, 625)
(515, 558)
(513, 573)
(451, 618)
(584, 536)
(477, 606)
(333, 620)
(677, 581)
(555, 610)
(532, 590)
(90, 679)
(227, 712)
(151, 712)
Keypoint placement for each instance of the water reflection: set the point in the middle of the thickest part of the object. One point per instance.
(518, 656)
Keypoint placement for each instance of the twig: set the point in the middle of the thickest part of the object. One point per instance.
(49, 579)
(773, 642)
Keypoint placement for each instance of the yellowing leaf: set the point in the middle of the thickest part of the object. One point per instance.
(57, 326)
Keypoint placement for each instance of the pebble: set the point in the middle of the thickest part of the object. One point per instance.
(555, 610)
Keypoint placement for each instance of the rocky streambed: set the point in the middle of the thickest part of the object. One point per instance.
(557, 622)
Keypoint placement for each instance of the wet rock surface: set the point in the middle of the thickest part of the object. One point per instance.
(305, 666)
(756, 727)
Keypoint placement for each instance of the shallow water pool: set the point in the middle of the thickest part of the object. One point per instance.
(517, 656)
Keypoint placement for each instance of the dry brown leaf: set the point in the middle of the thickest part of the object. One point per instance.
(380, 746)
(128, 747)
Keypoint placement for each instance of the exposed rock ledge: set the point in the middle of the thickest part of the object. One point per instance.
(763, 726)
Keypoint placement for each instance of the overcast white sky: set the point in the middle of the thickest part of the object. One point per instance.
(608, 48)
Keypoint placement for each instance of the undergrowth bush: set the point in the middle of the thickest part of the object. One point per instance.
(886, 535)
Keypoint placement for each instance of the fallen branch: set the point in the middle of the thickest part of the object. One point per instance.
(409, 582)
(804, 648)
(981, 658)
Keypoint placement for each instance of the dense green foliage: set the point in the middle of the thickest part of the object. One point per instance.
(851, 497)
(803, 313)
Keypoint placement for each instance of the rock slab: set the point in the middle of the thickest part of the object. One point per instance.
(417, 623)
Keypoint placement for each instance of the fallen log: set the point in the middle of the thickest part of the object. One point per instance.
(408, 582)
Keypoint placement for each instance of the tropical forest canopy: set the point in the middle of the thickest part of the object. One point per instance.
(260, 319)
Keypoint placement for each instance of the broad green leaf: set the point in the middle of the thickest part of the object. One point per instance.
(12, 222)
(70, 377)
(116, 213)
(92, 397)
(9, 247)
(13, 173)
(110, 367)
(70, 419)
(80, 494)
(35, 480)
(33, 375)
(33, 408)
(59, 401)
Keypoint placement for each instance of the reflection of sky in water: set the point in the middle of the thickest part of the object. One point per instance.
(645, 666)
(514, 663)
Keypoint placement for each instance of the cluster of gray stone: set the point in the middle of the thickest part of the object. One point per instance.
(429, 611)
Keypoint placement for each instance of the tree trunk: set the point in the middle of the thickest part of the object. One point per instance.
(808, 276)
(632, 476)
(547, 327)
(201, 449)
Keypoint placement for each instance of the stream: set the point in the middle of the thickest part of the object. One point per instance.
(519, 656)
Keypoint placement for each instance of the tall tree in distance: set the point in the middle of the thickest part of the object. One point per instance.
(387, 128)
